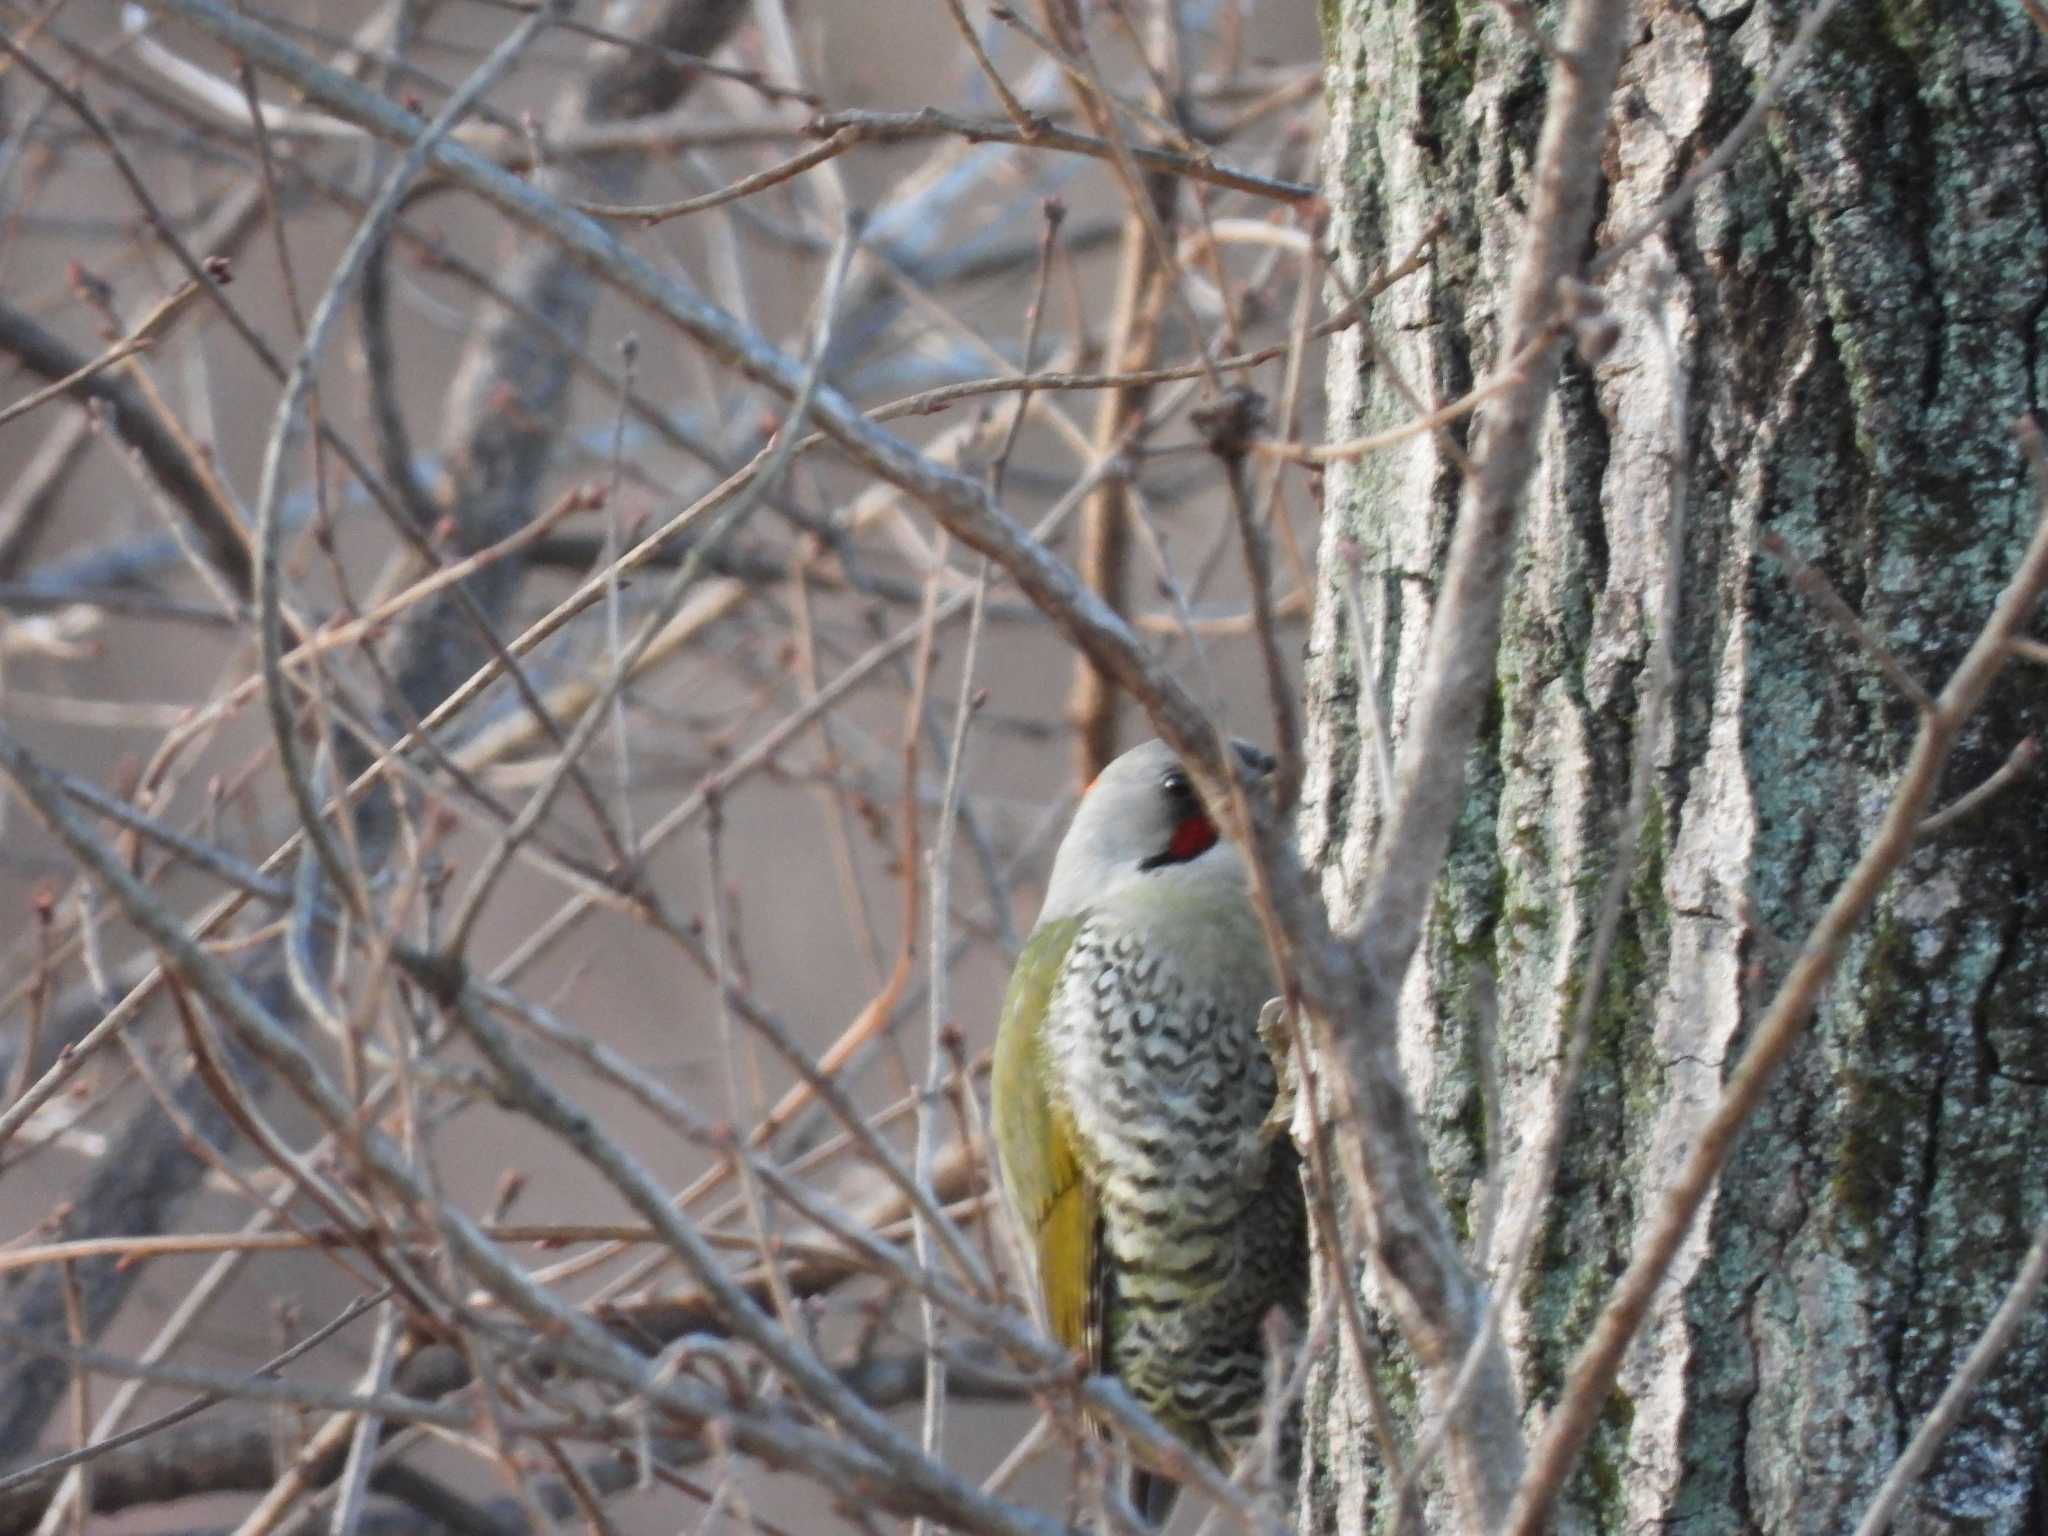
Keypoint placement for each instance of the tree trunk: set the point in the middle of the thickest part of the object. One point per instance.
(1857, 311)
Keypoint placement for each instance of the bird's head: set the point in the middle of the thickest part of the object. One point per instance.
(1142, 818)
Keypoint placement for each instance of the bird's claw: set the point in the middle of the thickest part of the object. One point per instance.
(1279, 1043)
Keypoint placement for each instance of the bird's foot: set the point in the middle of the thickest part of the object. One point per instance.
(1278, 1040)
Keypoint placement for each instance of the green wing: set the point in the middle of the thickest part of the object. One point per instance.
(1052, 1198)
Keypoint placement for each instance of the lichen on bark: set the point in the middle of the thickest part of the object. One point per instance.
(1860, 315)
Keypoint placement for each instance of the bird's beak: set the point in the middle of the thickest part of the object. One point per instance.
(1256, 760)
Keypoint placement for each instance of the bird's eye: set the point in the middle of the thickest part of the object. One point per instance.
(1175, 785)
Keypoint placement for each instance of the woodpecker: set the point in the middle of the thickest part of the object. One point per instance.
(1161, 1210)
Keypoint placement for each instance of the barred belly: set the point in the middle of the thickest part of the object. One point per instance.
(1202, 1227)
(1190, 1345)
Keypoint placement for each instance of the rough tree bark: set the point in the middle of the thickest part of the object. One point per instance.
(1859, 317)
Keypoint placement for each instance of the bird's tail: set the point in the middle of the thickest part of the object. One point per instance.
(1152, 1495)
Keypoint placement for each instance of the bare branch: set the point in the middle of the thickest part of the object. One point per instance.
(1955, 1397)
(184, 482)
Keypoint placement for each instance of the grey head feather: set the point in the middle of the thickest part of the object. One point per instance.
(1124, 826)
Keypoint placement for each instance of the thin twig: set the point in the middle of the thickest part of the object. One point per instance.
(1724, 153)
(1379, 739)
(1229, 425)
(938, 1004)
(271, 1367)
(1435, 1298)
(1814, 584)
(1658, 688)
(1955, 1397)
(842, 131)
(1014, 109)
(2021, 763)
(911, 1480)
(368, 237)
(146, 333)
(184, 480)
(1593, 1369)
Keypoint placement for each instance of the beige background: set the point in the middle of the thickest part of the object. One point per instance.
(806, 959)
